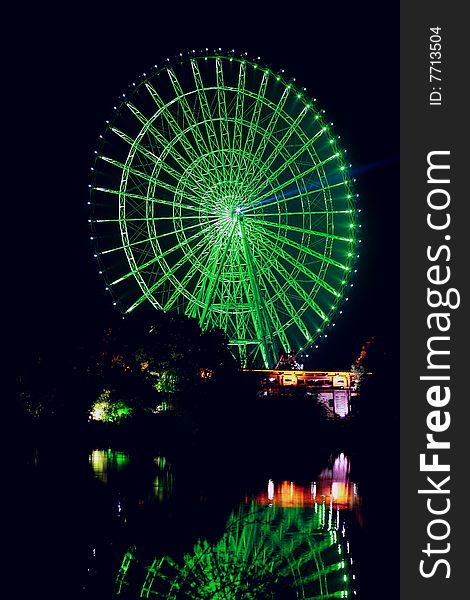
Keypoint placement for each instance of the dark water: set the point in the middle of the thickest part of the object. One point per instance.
(84, 507)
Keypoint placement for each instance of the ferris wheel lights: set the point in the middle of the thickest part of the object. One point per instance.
(349, 254)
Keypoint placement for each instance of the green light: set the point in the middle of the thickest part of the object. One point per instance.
(262, 550)
(349, 254)
(209, 227)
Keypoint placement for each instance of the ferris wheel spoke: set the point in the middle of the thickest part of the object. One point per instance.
(207, 115)
(255, 117)
(208, 261)
(305, 270)
(237, 146)
(300, 176)
(153, 238)
(306, 249)
(168, 146)
(225, 141)
(177, 205)
(157, 160)
(213, 279)
(299, 213)
(268, 133)
(288, 162)
(278, 148)
(180, 287)
(308, 196)
(287, 304)
(301, 230)
(262, 328)
(295, 285)
(182, 101)
(155, 259)
(125, 246)
(152, 179)
(167, 274)
(270, 309)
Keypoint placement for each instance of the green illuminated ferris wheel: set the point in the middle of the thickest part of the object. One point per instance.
(220, 191)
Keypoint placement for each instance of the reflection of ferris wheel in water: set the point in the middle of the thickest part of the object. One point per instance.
(221, 192)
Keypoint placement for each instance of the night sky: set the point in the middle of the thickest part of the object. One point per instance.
(69, 70)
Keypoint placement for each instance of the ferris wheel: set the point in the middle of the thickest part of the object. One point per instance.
(265, 552)
(221, 192)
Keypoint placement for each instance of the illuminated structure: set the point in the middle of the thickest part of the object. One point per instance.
(332, 389)
(288, 542)
(266, 552)
(220, 191)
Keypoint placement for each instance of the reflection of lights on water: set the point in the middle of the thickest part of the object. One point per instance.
(163, 487)
(334, 490)
(270, 489)
(333, 484)
(102, 461)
